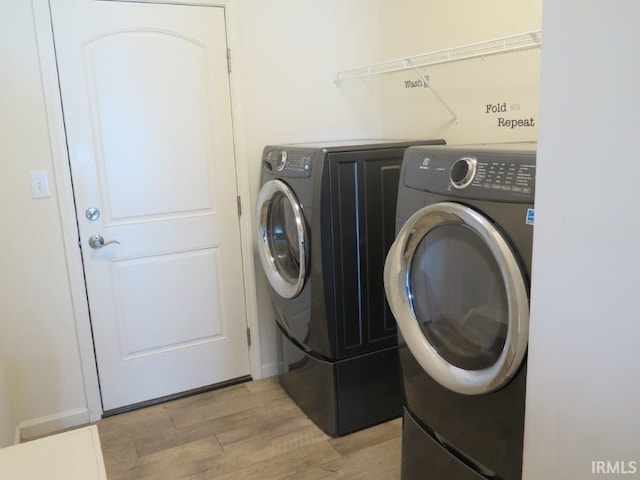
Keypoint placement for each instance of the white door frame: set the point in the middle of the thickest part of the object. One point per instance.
(62, 174)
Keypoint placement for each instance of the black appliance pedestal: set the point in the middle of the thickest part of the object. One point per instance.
(346, 395)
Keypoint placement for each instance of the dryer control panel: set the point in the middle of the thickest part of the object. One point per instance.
(498, 175)
(289, 162)
(505, 176)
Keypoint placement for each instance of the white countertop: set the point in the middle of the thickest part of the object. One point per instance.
(74, 455)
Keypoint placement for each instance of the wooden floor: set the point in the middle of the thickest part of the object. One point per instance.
(244, 432)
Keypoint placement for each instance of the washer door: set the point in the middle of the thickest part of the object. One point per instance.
(459, 297)
(281, 238)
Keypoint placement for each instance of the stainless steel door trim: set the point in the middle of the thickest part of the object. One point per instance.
(398, 290)
(285, 287)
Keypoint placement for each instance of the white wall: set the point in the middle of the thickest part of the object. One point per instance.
(413, 27)
(583, 389)
(37, 333)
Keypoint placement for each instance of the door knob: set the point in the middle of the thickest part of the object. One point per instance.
(96, 241)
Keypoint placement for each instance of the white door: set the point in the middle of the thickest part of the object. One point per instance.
(145, 93)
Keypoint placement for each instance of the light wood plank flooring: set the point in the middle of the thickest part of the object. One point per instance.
(244, 432)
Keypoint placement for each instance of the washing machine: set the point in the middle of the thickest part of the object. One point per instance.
(325, 221)
(457, 281)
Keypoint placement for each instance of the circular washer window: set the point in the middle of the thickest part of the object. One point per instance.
(459, 297)
(282, 238)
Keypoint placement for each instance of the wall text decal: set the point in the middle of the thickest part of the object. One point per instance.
(503, 121)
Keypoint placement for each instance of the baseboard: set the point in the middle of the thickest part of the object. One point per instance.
(37, 427)
(270, 370)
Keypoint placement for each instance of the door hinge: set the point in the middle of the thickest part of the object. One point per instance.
(239, 205)
(229, 60)
(249, 336)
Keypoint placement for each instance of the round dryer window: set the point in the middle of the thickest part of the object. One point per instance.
(281, 243)
(459, 297)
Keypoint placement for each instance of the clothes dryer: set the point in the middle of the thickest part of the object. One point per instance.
(325, 221)
(457, 281)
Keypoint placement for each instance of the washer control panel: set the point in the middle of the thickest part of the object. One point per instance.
(505, 176)
(289, 162)
(488, 175)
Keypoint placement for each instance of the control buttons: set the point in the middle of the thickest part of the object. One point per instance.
(463, 172)
(291, 163)
(282, 161)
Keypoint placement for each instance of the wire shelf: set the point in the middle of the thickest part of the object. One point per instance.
(513, 43)
(523, 41)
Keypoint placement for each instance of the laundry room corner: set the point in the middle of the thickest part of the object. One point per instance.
(284, 77)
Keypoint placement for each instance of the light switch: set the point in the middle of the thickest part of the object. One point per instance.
(39, 185)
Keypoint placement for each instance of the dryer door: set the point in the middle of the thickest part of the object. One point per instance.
(281, 238)
(459, 297)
